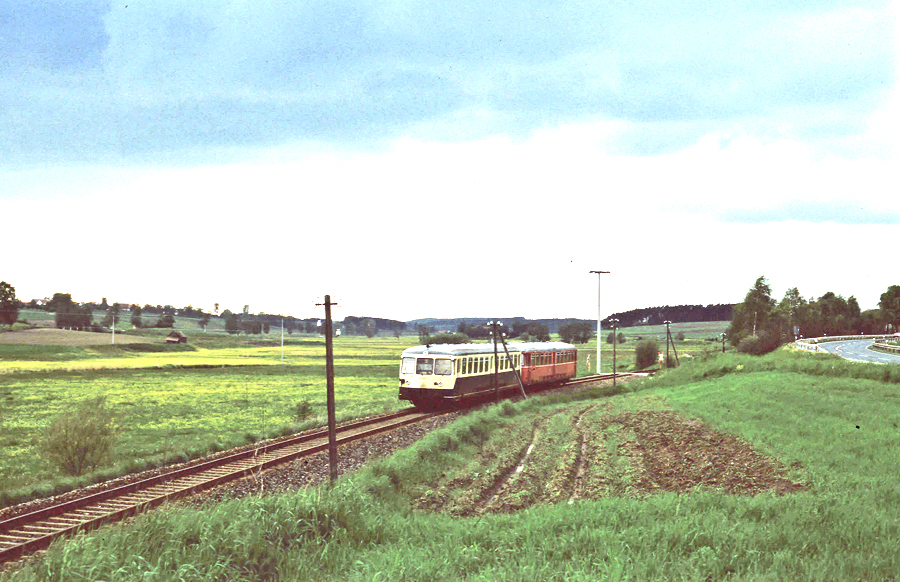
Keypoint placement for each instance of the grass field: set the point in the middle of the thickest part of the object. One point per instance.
(41, 318)
(175, 402)
(179, 404)
(812, 441)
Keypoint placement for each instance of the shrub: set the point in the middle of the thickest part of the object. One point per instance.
(613, 338)
(750, 345)
(165, 321)
(449, 338)
(645, 354)
(303, 410)
(679, 336)
(760, 344)
(80, 439)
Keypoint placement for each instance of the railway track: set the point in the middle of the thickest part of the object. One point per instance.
(592, 378)
(27, 533)
(597, 377)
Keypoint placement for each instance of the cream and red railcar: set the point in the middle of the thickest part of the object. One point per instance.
(436, 374)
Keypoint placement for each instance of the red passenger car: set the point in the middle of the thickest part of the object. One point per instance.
(547, 362)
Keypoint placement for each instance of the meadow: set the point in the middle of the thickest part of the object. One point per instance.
(434, 512)
(176, 402)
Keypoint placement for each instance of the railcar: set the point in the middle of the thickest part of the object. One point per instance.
(435, 375)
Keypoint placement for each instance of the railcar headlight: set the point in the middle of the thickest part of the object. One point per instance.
(439, 384)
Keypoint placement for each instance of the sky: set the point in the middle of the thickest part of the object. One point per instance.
(448, 159)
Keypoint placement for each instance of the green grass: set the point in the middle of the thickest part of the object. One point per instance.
(175, 402)
(696, 344)
(843, 526)
(180, 404)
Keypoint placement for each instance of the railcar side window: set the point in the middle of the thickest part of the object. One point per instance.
(443, 367)
(424, 366)
(408, 366)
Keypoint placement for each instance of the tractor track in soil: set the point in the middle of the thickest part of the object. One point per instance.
(261, 481)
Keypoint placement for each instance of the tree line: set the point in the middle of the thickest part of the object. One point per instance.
(70, 314)
(760, 324)
(679, 313)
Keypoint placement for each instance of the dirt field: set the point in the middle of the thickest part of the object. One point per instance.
(63, 337)
(605, 454)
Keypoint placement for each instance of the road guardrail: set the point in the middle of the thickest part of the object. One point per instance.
(812, 344)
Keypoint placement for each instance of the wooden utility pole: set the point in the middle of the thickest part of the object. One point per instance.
(513, 365)
(493, 325)
(667, 322)
(668, 341)
(329, 390)
(615, 324)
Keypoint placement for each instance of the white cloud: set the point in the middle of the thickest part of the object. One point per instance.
(466, 159)
(495, 227)
(178, 78)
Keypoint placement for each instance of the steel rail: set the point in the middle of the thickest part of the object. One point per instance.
(29, 532)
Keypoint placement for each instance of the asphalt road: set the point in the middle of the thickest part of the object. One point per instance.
(858, 350)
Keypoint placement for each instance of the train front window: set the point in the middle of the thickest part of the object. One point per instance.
(443, 367)
(408, 366)
(424, 366)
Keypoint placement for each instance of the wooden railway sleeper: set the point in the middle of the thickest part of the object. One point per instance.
(24, 536)
(62, 525)
(113, 507)
(89, 514)
(146, 495)
(61, 521)
(137, 495)
(40, 529)
(16, 539)
(114, 503)
(215, 473)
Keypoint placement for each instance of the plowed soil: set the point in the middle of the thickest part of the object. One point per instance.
(678, 454)
(626, 454)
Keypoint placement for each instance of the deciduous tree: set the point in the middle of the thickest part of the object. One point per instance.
(755, 317)
(539, 331)
(890, 306)
(576, 332)
(9, 304)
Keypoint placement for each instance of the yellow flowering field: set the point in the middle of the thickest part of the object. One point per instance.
(171, 406)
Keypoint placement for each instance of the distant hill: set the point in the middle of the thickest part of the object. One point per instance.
(451, 325)
(645, 316)
(675, 314)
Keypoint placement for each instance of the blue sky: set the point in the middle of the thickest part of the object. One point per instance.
(406, 156)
